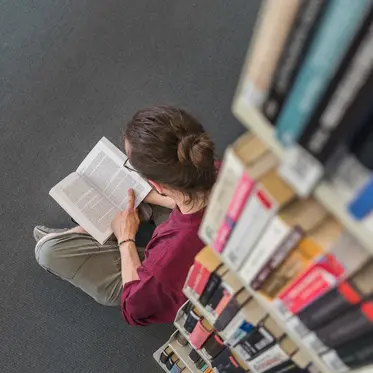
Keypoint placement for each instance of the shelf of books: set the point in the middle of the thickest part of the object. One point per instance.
(285, 282)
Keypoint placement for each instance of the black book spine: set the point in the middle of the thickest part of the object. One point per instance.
(227, 314)
(346, 103)
(292, 56)
(212, 284)
(330, 305)
(353, 355)
(349, 326)
(257, 341)
(215, 298)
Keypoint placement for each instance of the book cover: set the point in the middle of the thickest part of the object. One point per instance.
(345, 257)
(231, 309)
(339, 300)
(306, 214)
(243, 190)
(226, 363)
(332, 38)
(292, 56)
(269, 195)
(205, 263)
(350, 355)
(316, 243)
(200, 333)
(213, 346)
(212, 284)
(236, 158)
(269, 38)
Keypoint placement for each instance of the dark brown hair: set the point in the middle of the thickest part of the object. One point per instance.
(170, 147)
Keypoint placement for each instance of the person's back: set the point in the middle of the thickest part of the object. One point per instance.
(170, 149)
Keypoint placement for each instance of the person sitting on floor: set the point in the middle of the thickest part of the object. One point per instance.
(171, 150)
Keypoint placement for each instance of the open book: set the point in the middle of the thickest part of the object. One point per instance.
(98, 190)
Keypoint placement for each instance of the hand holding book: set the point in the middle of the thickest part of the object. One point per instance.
(126, 223)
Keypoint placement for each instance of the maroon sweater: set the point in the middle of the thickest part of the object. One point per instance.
(157, 295)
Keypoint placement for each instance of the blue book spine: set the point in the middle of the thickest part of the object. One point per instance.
(362, 204)
(337, 27)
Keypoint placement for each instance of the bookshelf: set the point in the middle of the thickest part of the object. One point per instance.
(259, 125)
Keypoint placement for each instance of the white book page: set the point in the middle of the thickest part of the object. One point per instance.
(103, 168)
(85, 205)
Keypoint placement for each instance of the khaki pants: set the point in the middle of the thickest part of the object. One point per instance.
(81, 260)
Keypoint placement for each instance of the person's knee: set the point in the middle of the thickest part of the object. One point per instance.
(45, 254)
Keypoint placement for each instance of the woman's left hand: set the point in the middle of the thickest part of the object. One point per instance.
(126, 223)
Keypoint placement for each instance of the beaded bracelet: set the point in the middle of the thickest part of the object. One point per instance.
(124, 241)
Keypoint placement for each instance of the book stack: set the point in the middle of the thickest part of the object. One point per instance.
(314, 88)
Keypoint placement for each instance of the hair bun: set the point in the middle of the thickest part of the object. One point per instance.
(196, 149)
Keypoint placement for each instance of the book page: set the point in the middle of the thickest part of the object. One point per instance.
(85, 205)
(103, 168)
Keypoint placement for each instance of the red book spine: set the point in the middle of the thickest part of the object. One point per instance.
(199, 336)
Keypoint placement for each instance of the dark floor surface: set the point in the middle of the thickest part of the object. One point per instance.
(72, 71)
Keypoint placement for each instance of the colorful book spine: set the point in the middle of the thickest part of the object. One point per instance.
(243, 190)
(256, 214)
(345, 106)
(292, 56)
(270, 358)
(221, 195)
(333, 36)
(319, 277)
(267, 244)
(269, 38)
(362, 204)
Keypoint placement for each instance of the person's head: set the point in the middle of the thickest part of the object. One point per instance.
(170, 148)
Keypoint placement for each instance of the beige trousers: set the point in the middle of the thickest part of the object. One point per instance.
(88, 265)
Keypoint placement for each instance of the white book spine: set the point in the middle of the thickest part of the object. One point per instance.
(233, 325)
(251, 223)
(268, 359)
(272, 237)
(221, 196)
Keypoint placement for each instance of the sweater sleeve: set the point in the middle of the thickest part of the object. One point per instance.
(147, 301)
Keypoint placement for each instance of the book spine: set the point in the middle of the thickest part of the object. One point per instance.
(212, 284)
(215, 299)
(257, 341)
(227, 315)
(346, 103)
(350, 355)
(198, 336)
(234, 211)
(362, 204)
(336, 301)
(268, 359)
(318, 278)
(337, 28)
(270, 37)
(221, 195)
(292, 56)
(191, 280)
(349, 326)
(239, 333)
(201, 280)
(280, 254)
(273, 235)
(256, 214)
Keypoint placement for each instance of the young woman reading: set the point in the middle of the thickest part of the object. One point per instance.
(170, 149)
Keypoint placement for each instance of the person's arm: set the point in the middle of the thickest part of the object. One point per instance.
(157, 199)
(125, 226)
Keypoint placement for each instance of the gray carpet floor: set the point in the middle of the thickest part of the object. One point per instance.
(72, 71)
